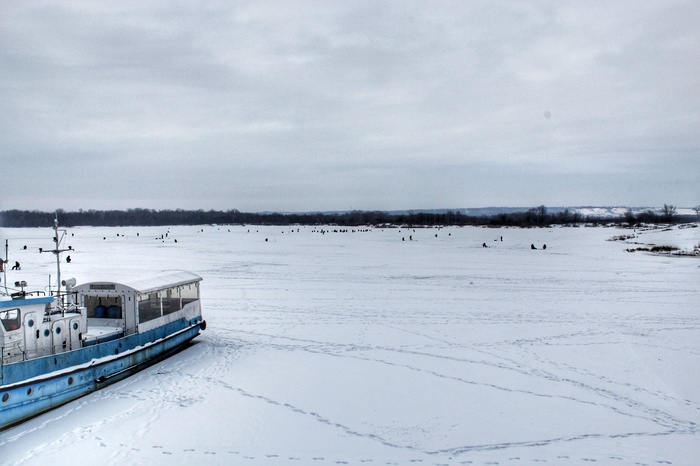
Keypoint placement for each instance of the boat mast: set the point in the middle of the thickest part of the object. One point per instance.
(57, 251)
(3, 266)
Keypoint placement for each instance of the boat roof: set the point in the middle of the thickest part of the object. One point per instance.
(167, 279)
(7, 301)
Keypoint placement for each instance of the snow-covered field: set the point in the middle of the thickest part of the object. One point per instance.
(392, 346)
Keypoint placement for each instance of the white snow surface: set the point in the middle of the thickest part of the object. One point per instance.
(391, 346)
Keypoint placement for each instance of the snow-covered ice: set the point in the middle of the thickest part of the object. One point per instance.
(392, 346)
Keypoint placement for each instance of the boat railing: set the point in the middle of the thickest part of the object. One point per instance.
(27, 294)
(11, 353)
(65, 299)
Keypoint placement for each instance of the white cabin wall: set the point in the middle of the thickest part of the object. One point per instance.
(130, 312)
(31, 324)
(75, 331)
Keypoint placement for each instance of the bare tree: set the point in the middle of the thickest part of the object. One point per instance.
(697, 211)
(541, 211)
(668, 211)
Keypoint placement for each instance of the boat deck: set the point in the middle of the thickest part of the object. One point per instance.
(98, 333)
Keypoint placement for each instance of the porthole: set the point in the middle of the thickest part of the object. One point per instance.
(58, 330)
(30, 323)
(5, 397)
(70, 380)
(30, 391)
(47, 333)
(75, 326)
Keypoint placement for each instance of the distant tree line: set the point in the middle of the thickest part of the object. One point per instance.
(535, 217)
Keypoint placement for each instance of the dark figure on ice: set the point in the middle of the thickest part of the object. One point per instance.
(16, 266)
(484, 245)
(532, 246)
(68, 259)
(544, 246)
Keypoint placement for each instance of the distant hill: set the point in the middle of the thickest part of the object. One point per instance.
(586, 211)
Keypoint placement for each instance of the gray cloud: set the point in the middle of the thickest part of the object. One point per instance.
(331, 105)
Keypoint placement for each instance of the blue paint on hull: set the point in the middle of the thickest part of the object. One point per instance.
(80, 372)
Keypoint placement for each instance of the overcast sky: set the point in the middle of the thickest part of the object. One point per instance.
(334, 105)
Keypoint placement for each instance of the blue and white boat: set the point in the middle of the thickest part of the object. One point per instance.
(65, 343)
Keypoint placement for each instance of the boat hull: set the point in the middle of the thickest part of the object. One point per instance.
(24, 400)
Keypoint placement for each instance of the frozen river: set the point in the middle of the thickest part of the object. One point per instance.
(392, 346)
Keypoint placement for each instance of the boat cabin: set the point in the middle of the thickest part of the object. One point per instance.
(28, 329)
(117, 309)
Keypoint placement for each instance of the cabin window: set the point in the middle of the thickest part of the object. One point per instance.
(149, 306)
(171, 300)
(10, 319)
(189, 292)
